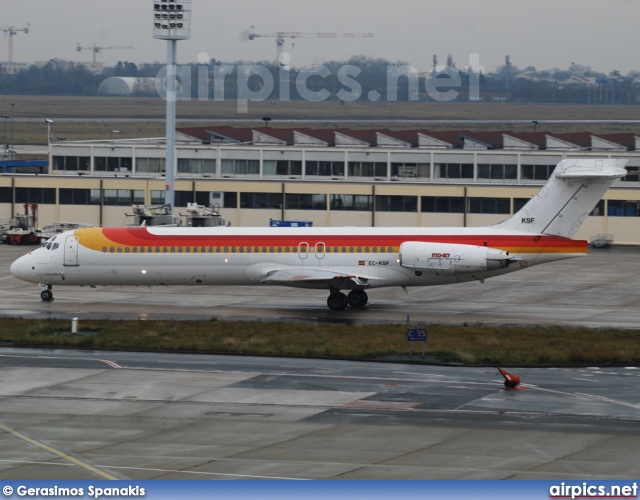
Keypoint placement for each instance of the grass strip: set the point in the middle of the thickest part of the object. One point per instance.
(471, 345)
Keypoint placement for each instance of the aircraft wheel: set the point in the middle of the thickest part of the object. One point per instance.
(337, 302)
(358, 298)
(46, 295)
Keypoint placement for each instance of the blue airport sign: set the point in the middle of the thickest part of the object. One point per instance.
(417, 334)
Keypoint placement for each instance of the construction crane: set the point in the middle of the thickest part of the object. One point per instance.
(96, 49)
(13, 31)
(282, 35)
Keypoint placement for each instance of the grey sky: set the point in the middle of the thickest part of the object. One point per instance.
(543, 33)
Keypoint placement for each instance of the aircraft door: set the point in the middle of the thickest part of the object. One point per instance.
(71, 251)
(303, 250)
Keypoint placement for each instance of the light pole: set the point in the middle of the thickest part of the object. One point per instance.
(6, 144)
(12, 152)
(49, 123)
(172, 22)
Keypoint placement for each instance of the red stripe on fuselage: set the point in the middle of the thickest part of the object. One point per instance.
(138, 236)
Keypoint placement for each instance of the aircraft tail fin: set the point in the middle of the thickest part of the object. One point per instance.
(573, 190)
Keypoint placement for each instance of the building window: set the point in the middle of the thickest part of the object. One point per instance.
(196, 166)
(68, 196)
(410, 170)
(261, 200)
(453, 171)
(598, 210)
(112, 164)
(387, 203)
(443, 204)
(183, 198)
(72, 163)
(150, 165)
(367, 169)
(158, 197)
(633, 174)
(355, 202)
(537, 172)
(123, 197)
(620, 208)
(241, 167)
(305, 202)
(6, 195)
(518, 203)
(489, 205)
(325, 168)
(45, 196)
(499, 172)
(282, 167)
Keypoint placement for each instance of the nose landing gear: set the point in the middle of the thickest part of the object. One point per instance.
(47, 295)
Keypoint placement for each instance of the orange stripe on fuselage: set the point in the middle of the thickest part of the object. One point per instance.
(97, 239)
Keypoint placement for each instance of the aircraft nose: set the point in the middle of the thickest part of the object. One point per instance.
(15, 268)
(21, 268)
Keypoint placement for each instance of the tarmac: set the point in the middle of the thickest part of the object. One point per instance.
(107, 415)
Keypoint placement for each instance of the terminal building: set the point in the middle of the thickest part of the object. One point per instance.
(331, 177)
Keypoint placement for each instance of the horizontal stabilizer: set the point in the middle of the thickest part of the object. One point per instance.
(591, 169)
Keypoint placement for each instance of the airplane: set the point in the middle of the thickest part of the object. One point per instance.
(334, 259)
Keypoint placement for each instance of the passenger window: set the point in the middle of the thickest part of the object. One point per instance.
(179, 249)
(359, 249)
(119, 249)
(112, 249)
(279, 249)
(142, 249)
(135, 249)
(264, 249)
(165, 249)
(126, 249)
(350, 249)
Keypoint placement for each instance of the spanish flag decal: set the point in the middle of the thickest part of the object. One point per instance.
(362, 262)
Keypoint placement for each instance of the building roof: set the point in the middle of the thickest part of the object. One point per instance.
(447, 139)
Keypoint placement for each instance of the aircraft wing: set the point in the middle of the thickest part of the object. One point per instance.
(310, 277)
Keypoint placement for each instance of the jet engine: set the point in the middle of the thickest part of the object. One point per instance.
(452, 258)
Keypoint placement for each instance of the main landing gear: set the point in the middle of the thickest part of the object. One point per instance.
(47, 295)
(338, 301)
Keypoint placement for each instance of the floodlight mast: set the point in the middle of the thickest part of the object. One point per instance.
(172, 22)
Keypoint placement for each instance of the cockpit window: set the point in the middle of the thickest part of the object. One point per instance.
(55, 245)
(49, 246)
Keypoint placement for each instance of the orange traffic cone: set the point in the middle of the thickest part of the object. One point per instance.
(510, 381)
